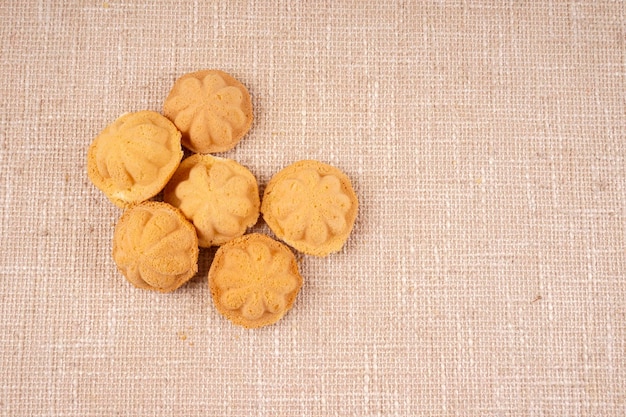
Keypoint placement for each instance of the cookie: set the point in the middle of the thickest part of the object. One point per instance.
(212, 110)
(132, 159)
(219, 196)
(155, 247)
(310, 206)
(254, 280)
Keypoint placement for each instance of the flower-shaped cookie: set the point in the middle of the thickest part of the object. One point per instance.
(219, 196)
(155, 247)
(254, 280)
(134, 157)
(311, 206)
(211, 108)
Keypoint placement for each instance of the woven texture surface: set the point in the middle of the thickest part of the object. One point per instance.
(486, 271)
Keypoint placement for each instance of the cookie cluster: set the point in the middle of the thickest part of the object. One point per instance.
(213, 201)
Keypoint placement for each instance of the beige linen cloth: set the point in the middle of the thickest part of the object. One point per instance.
(486, 273)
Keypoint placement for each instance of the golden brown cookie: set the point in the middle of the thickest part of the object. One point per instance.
(219, 196)
(254, 280)
(155, 247)
(211, 108)
(311, 206)
(132, 159)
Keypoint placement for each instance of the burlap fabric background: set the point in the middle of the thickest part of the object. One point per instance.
(485, 275)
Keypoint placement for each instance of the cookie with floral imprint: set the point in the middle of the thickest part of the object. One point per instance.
(211, 108)
(133, 158)
(218, 195)
(254, 280)
(155, 247)
(311, 206)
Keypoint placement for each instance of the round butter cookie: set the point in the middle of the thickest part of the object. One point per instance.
(211, 108)
(254, 280)
(219, 196)
(310, 206)
(132, 159)
(155, 247)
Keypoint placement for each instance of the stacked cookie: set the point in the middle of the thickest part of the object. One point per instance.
(212, 201)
